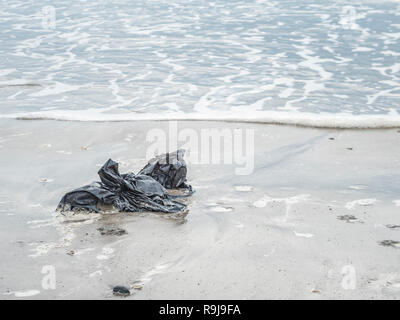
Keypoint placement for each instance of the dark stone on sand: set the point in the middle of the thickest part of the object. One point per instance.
(111, 231)
(392, 226)
(347, 218)
(389, 243)
(349, 148)
(331, 138)
(121, 291)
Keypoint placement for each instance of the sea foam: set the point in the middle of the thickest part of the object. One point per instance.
(319, 120)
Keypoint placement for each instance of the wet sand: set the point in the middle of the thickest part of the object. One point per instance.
(320, 207)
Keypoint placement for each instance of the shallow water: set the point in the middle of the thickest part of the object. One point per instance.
(328, 63)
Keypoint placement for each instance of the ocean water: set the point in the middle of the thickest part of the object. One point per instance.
(312, 62)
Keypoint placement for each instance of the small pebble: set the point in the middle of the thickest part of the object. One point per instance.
(390, 243)
(109, 231)
(137, 286)
(121, 291)
(347, 218)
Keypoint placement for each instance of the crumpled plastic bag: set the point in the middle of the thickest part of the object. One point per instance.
(130, 192)
(170, 170)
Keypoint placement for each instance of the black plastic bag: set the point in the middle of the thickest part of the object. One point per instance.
(127, 192)
(170, 170)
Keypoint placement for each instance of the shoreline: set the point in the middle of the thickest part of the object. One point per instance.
(295, 118)
(216, 120)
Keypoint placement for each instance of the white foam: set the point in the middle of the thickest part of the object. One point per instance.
(106, 253)
(244, 188)
(261, 203)
(361, 202)
(390, 53)
(396, 203)
(322, 120)
(64, 152)
(95, 274)
(363, 49)
(5, 72)
(303, 235)
(83, 251)
(221, 209)
(287, 93)
(358, 187)
(27, 293)
(14, 82)
(102, 257)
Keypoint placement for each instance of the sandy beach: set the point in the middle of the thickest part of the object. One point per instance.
(318, 218)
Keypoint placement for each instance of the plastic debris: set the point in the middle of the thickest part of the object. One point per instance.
(169, 170)
(133, 193)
